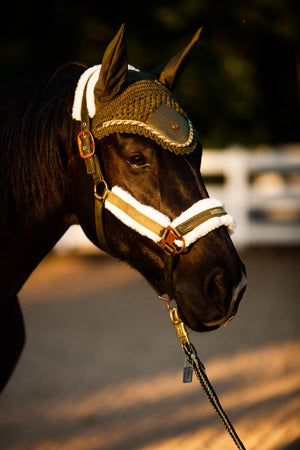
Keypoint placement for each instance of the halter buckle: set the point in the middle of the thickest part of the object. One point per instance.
(168, 239)
(84, 146)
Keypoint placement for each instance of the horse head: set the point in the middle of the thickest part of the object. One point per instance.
(151, 206)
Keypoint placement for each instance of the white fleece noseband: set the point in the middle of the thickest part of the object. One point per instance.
(164, 221)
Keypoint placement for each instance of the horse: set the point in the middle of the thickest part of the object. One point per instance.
(109, 148)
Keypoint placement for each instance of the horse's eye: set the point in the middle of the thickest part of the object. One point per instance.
(137, 161)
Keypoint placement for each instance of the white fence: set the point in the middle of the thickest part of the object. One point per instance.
(260, 188)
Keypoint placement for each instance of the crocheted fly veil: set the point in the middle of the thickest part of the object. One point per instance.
(120, 98)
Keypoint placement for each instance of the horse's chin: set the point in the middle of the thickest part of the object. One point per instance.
(198, 325)
(204, 328)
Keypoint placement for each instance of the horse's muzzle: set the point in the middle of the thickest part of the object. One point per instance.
(238, 293)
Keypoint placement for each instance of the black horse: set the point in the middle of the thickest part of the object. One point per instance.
(45, 189)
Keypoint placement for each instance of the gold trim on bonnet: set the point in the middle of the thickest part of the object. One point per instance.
(137, 123)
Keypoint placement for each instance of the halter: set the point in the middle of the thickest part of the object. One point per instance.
(173, 236)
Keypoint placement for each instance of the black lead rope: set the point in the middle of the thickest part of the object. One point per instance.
(199, 369)
(192, 357)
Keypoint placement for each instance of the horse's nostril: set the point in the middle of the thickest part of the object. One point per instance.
(237, 296)
(218, 291)
(216, 287)
(240, 296)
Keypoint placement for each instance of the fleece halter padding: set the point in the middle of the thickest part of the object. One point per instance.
(195, 222)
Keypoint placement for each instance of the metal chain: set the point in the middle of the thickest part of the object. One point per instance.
(199, 368)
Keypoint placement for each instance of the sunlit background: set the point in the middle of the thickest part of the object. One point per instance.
(102, 366)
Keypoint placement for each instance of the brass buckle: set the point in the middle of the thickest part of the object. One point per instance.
(83, 134)
(168, 240)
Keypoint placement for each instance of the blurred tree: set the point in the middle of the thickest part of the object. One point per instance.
(241, 87)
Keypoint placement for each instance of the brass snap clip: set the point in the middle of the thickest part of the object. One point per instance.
(180, 328)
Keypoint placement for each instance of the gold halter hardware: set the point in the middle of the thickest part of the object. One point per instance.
(86, 144)
(179, 325)
(170, 235)
(180, 328)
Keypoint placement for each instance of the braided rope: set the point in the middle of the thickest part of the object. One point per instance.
(199, 368)
(137, 123)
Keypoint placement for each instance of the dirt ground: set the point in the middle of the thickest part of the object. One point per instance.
(102, 366)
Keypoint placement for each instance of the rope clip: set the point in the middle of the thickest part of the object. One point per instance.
(180, 328)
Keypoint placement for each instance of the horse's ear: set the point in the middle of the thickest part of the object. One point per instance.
(168, 73)
(113, 69)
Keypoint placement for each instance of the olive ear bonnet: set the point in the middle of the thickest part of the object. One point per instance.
(120, 98)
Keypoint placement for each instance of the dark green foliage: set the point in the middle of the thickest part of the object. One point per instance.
(241, 86)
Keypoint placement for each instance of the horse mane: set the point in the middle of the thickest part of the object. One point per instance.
(35, 134)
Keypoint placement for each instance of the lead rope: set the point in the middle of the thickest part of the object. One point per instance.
(192, 357)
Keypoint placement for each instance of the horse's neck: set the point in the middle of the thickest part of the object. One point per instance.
(23, 246)
(33, 191)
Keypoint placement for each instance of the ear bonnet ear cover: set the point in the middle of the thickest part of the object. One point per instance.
(130, 101)
(146, 108)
